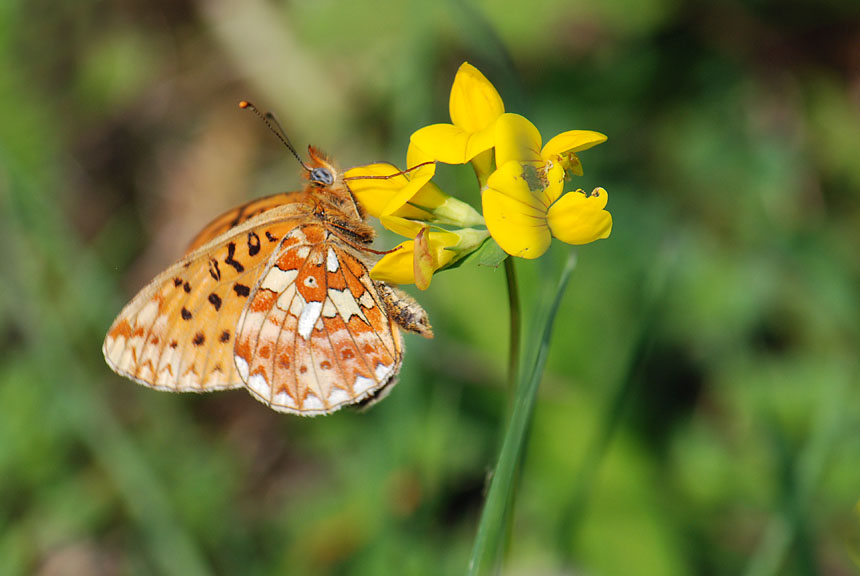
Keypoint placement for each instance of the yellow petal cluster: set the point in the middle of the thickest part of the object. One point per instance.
(521, 179)
(525, 206)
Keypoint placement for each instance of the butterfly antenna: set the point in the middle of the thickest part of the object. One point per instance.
(272, 123)
(389, 176)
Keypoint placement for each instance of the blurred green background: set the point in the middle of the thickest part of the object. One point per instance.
(701, 409)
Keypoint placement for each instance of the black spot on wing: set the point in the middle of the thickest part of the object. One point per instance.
(214, 270)
(253, 244)
(215, 300)
(231, 251)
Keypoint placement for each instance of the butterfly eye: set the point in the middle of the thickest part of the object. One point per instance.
(322, 176)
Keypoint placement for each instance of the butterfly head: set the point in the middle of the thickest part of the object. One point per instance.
(321, 172)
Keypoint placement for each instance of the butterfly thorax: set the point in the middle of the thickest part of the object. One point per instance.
(334, 203)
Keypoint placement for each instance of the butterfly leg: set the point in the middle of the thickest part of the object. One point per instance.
(404, 310)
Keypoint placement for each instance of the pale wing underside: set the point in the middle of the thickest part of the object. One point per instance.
(316, 336)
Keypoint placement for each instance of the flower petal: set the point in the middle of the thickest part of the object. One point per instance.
(401, 226)
(438, 238)
(422, 261)
(517, 139)
(397, 266)
(380, 187)
(580, 219)
(474, 103)
(415, 155)
(530, 183)
(400, 202)
(480, 142)
(571, 163)
(443, 142)
(572, 141)
(517, 227)
(371, 191)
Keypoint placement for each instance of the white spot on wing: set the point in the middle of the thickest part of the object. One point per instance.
(383, 372)
(312, 402)
(297, 306)
(147, 313)
(366, 300)
(258, 384)
(310, 314)
(346, 304)
(277, 280)
(362, 385)
(329, 309)
(331, 262)
(284, 399)
(286, 298)
(241, 367)
(338, 396)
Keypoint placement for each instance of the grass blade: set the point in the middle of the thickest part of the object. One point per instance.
(496, 513)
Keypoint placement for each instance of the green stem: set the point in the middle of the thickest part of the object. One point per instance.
(496, 513)
(515, 330)
(513, 371)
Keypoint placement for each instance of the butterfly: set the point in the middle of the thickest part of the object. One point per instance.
(276, 296)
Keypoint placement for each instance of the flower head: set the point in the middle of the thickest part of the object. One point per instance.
(524, 205)
(521, 182)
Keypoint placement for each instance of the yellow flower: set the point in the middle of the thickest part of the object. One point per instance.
(474, 106)
(415, 261)
(523, 204)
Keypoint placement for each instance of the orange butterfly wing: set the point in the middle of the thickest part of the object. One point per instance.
(242, 214)
(316, 335)
(178, 332)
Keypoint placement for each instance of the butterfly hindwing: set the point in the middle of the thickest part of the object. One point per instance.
(315, 336)
(178, 333)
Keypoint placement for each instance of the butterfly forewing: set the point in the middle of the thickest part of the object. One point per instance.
(178, 333)
(315, 337)
(242, 214)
